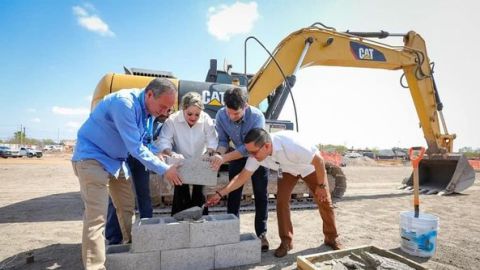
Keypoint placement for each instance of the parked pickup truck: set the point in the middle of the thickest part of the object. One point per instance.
(29, 152)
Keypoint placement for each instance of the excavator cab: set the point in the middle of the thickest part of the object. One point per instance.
(443, 175)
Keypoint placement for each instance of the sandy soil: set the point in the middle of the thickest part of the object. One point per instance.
(41, 212)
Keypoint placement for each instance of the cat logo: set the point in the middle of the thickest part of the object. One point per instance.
(213, 98)
(363, 52)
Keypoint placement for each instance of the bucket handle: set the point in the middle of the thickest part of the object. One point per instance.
(416, 154)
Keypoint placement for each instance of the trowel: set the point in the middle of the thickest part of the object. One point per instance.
(193, 213)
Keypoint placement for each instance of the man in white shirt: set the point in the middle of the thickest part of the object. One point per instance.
(286, 153)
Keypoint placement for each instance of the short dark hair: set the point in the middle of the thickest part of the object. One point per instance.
(235, 98)
(258, 135)
(160, 86)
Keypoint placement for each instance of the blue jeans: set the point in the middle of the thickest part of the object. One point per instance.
(141, 184)
(259, 184)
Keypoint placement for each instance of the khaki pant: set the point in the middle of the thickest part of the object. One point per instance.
(284, 191)
(93, 188)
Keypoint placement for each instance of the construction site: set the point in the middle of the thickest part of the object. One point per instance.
(41, 218)
(416, 207)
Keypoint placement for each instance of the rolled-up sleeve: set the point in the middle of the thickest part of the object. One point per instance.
(123, 115)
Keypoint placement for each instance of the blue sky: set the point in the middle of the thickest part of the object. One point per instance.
(54, 52)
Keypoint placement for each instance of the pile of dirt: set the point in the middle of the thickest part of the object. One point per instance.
(360, 161)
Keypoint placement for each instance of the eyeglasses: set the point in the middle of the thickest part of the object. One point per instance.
(254, 153)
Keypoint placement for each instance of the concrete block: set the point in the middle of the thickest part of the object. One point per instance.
(215, 230)
(195, 171)
(151, 234)
(186, 259)
(119, 257)
(247, 251)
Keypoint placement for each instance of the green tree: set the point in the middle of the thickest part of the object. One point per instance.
(469, 152)
(19, 137)
(332, 148)
(47, 141)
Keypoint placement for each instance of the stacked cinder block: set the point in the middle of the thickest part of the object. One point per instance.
(195, 171)
(163, 243)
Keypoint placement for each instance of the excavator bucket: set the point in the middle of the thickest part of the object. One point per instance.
(452, 174)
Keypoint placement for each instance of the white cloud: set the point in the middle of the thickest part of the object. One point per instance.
(225, 21)
(70, 111)
(91, 22)
(31, 110)
(79, 11)
(35, 120)
(89, 98)
(73, 125)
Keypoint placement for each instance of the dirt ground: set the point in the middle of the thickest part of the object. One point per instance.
(41, 212)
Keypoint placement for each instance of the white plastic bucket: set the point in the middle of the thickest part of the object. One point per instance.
(418, 236)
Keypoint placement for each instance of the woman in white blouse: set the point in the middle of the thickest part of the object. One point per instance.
(189, 132)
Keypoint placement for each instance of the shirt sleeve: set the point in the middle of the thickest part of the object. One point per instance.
(251, 165)
(300, 152)
(210, 133)
(165, 139)
(123, 115)
(223, 137)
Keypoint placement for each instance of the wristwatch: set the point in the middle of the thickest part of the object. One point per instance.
(322, 185)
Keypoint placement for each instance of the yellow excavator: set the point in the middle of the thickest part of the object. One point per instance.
(441, 171)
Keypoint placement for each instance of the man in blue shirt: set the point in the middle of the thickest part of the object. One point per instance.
(141, 183)
(233, 122)
(114, 129)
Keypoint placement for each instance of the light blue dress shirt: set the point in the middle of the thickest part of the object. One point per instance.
(228, 130)
(117, 127)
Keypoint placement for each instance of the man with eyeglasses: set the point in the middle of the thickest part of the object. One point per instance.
(115, 129)
(233, 121)
(289, 154)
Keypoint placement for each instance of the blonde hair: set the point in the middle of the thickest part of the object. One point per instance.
(192, 99)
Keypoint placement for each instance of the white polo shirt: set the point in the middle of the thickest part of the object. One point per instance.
(177, 135)
(290, 154)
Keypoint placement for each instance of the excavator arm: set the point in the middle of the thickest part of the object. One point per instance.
(314, 46)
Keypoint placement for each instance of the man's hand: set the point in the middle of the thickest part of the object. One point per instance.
(322, 193)
(172, 175)
(161, 157)
(213, 199)
(216, 161)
